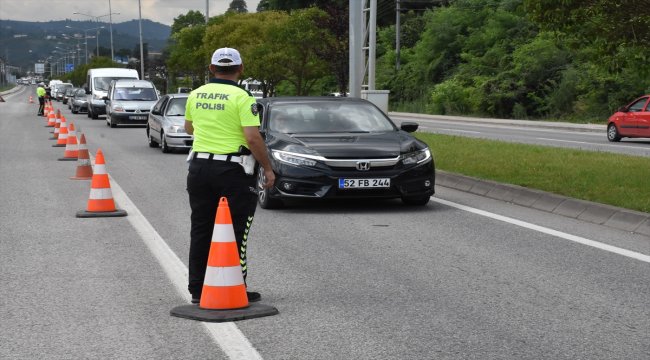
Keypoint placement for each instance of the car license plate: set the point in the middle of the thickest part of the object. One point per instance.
(137, 117)
(364, 183)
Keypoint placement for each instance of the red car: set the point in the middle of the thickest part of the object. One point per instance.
(632, 120)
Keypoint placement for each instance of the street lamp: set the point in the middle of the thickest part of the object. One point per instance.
(97, 21)
(86, 38)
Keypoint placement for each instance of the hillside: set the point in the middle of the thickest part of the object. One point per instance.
(24, 42)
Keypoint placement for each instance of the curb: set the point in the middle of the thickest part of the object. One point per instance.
(16, 88)
(507, 122)
(610, 216)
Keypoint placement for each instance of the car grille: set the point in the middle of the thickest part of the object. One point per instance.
(132, 111)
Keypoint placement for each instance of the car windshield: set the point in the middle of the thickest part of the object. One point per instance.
(176, 107)
(102, 83)
(80, 92)
(136, 94)
(327, 117)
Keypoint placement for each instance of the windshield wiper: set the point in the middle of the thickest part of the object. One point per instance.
(142, 99)
(175, 114)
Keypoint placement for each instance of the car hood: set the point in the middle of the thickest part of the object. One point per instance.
(136, 105)
(380, 145)
(175, 120)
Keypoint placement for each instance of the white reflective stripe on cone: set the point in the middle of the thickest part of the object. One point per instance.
(101, 194)
(99, 169)
(83, 162)
(223, 276)
(223, 233)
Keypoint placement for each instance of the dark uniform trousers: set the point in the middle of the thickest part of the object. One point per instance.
(41, 107)
(207, 181)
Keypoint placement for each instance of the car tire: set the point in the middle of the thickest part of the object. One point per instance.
(110, 121)
(74, 110)
(88, 113)
(612, 133)
(152, 143)
(163, 143)
(93, 115)
(416, 200)
(264, 195)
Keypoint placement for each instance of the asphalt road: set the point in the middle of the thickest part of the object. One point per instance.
(575, 136)
(363, 280)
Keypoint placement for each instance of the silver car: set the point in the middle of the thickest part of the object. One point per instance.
(166, 124)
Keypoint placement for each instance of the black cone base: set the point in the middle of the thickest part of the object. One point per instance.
(96, 214)
(67, 159)
(194, 312)
(58, 145)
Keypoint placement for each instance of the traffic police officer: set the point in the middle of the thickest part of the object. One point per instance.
(224, 121)
(40, 92)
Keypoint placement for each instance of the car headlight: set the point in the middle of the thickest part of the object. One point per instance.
(293, 158)
(97, 96)
(175, 129)
(118, 107)
(416, 157)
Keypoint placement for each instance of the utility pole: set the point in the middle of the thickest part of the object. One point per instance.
(141, 46)
(397, 33)
(110, 21)
(207, 11)
(356, 64)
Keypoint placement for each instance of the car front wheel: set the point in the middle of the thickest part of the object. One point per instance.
(612, 133)
(152, 143)
(264, 195)
(163, 143)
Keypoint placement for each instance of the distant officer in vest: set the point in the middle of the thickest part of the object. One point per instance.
(225, 123)
(40, 92)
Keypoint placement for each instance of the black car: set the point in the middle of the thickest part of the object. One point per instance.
(338, 147)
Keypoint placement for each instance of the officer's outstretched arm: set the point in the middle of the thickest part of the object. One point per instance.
(258, 148)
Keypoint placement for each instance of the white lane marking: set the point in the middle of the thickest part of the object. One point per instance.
(545, 230)
(523, 128)
(588, 143)
(227, 335)
(460, 131)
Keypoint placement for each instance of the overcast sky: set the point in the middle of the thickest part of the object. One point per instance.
(163, 11)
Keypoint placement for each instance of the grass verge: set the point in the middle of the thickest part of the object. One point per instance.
(607, 178)
(7, 87)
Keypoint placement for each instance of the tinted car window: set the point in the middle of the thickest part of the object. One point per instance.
(638, 105)
(327, 117)
(133, 93)
(176, 107)
(102, 83)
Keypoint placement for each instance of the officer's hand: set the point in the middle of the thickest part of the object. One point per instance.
(269, 177)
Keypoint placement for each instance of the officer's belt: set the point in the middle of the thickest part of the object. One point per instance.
(210, 156)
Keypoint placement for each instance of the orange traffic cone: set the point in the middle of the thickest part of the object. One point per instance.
(84, 170)
(223, 287)
(57, 126)
(51, 119)
(100, 201)
(223, 297)
(71, 148)
(62, 138)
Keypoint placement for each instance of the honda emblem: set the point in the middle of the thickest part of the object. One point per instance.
(363, 165)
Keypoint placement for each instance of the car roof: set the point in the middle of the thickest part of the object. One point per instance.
(295, 99)
(132, 82)
(178, 95)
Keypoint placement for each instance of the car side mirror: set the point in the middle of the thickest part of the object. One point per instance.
(87, 90)
(409, 126)
(622, 109)
(105, 98)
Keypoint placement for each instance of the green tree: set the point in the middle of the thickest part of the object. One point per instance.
(238, 6)
(251, 35)
(192, 18)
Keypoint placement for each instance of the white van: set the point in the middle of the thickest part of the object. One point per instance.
(129, 102)
(97, 83)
